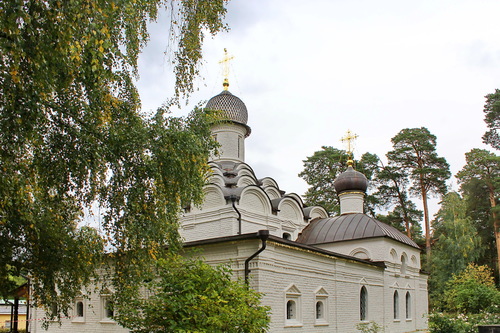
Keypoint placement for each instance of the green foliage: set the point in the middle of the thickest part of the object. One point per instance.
(370, 327)
(320, 171)
(492, 119)
(479, 181)
(392, 191)
(323, 167)
(414, 153)
(470, 299)
(456, 244)
(72, 135)
(452, 323)
(192, 296)
(472, 291)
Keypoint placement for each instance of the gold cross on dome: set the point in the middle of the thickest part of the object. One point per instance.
(349, 138)
(225, 68)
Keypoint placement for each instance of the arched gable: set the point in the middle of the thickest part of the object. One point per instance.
(246, 181)
(214, 198)
(290, 209)
(217, 179)
(244, 169)
(315, 212)
(272, 192)
(255, 199)
(268, 181)
(296, 197)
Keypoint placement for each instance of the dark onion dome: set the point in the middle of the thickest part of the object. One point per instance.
(350, 180)
(233, 109)
(349, 227)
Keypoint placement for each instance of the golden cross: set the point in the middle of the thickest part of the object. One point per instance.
(225, 68)
(349, 138)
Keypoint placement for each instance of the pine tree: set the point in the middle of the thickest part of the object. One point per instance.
(414, 151)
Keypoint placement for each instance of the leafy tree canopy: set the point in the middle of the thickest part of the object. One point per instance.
(492, 119)
(456, 243)
(479, 179)
(191, 296)
(472, 291)
(414, 152)
(71, 134)
(323, 167)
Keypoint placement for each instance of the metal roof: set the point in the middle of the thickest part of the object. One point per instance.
(349, 227)
(232, 107)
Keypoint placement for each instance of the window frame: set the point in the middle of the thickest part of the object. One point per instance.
(105, 318)
(363, 304)
(408, 306)
(321, 297)
(395, 306)
(77, 318)
(294, 296)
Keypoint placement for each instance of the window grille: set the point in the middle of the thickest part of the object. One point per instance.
(363, 304)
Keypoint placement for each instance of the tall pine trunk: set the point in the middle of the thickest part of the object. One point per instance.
(426, 221)
(494, 216)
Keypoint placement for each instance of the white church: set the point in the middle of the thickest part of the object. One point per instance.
(317, 273)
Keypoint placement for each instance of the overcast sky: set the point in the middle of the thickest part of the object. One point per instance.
(310, 70)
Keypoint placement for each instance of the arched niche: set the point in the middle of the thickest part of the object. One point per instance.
(360, 253)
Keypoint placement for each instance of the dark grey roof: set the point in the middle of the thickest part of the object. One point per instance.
(232, 107)
(350, 180)
(349, 227)
(236, 238)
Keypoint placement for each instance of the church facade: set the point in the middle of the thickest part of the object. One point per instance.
(317, 273)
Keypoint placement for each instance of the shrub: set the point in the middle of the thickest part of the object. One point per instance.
(370, 327)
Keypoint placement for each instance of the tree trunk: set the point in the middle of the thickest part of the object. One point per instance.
(427, 224)
(496, 223)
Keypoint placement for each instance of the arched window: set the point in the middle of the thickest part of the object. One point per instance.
(108, 309)
(396, 305)
(79, 309)
(286, 235)
(408, 305)
(363, 304)
(319, 310)
(403, 264)
(291, 310)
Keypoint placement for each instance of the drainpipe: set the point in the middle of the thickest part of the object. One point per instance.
(263, 235)
(233, 200)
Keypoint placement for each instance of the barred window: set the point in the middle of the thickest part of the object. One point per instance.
(291, 310)
(396, 305)
(363, 304)
(319, 310)
(408, 305)
(79, 309)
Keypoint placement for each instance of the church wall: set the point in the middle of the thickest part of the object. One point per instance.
(281, 267)
(404, 277)
(223, 221)
(94, 319)
(209, 224)
(231, 139)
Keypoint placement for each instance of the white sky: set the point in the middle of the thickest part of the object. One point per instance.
(310, 70)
